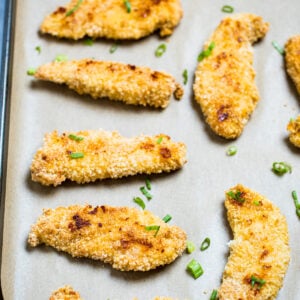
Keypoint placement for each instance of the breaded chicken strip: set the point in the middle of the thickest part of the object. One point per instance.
(120, 236)
(113, 80)
(294, 128)
(86, 156)
(225, 79)
(259, 253)
(113, 20)
(292, 59)
(65, 293)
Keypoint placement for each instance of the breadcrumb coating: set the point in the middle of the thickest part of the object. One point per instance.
(111, 19)
(65, 293)
(225, 80)
(292, 59)
(115, 81)
(105, 155)
(294, 128)
(260, 247)
(114, 235)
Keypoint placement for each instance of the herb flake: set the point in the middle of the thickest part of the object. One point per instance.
(71, 11)
(160, 50)
(207, 52)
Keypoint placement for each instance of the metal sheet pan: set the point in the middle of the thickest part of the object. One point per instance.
(194, 196)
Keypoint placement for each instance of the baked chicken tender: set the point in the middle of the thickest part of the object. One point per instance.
(112, 19)
(114, 235)
(259, 253)
(65, 293)
(292, 59)
(115, 81)
(225, 80)
(101, 154)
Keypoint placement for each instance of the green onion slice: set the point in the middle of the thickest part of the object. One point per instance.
(185, 76)
(76, 155)
(213, 295)
(88, 42)
(31, 71)
(237, 196)
(38, 49)
(232, 150)
(160, 50)
(153, 227)
(254, 280)
(195, 269)
(296, 201)
(227, 9)
(60, 58)
(190, 247)
(279, 49)
(113, 48)
(167, 218)
(205, 244)
(146, 193)
(281, 168)
(207, 52)
(148, 184)
(159, 140)
(127, 5)
(71, 11)
(139, 202)
(75, 137)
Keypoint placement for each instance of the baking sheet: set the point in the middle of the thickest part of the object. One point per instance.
(194, 196)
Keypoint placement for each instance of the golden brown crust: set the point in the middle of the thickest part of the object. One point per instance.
(292, 59)
(260, 247)
(65, 293)
(106, 155)
(115, 235)
(115, 81)
(294, 128)
(110, 19)
(225, 81)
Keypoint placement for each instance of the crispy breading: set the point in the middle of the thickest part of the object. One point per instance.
(105, 155)
(110, 19)
(292, 59)
(114, 235)
(225, 80)
(260, 247)
(294, 128)
(113, 80)
(65, 293)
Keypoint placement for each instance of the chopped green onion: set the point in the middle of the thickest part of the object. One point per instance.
(195, 269)
(76, 155)
(185, 76)
(88, 42)
(148, 184)
(71, 11)
(38, 49)
(167, 218)
(281, 168)
(296, 201)
(76, 138)
(237, 196)
(127, 5)
(60, 58)
(190, 247)
(139, 202)
(232, 150)
(31, 71)
(113, 48)
(207, 52)
(159, 140)
(146, 193)
(256, 202)
(153, 227)
(160, 50)
(205, 244)
(213, 295)
(227, 9)
(254, 280)
(279, 49)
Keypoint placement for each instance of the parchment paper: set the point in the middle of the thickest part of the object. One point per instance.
(194, 196)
